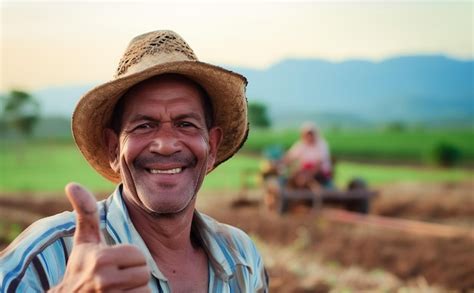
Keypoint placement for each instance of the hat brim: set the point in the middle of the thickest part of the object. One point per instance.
(225, 88)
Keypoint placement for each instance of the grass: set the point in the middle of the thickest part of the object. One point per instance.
(48, 167)
(381, 174)
(411, 145)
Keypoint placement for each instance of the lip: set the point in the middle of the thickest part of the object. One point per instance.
(164, 166)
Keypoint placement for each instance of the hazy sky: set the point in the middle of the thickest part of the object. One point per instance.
(56, 43)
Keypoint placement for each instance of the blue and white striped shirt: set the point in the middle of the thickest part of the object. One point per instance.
(37, 259)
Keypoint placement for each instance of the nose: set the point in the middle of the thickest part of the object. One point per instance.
(165, 142)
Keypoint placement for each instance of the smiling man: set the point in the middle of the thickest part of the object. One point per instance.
(156, 130)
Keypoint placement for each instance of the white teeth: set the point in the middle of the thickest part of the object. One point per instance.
(170, 171)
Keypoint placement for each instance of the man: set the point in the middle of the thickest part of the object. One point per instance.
(157, 130)
(311, 155)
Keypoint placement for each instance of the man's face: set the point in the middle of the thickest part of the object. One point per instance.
(164, 146)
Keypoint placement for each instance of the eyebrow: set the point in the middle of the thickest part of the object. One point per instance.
(143, 117)
(192, 115)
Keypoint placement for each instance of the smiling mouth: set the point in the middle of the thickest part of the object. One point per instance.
(167, 171)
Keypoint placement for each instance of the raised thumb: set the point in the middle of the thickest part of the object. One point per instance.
(87, 217)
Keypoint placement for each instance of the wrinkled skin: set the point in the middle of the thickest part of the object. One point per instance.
(162, 153)
(163, 128)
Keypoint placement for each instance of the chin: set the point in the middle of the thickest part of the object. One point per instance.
(166, 203)
(166, 209)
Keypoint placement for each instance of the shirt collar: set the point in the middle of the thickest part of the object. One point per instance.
(224, 256)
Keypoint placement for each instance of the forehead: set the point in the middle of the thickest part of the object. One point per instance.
(164, 92)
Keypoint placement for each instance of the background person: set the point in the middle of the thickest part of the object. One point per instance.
(310, 155)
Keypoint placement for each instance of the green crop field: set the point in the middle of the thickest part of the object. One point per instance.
(48, 167)
(408, 146)
(45, 167)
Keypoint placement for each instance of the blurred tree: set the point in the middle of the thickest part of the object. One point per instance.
(396, 126)
(258, 116)
(446, 154)
(20, 111)
(3, 123)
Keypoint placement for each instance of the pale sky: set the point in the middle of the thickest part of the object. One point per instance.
(47, 44)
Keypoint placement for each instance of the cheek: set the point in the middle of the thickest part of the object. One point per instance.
(204, 146)
(129, 148)
(198, 145)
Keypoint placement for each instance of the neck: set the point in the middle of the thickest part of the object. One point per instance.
(168, 236)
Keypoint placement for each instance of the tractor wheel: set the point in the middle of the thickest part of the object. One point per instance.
(360, 205)
(357, 184)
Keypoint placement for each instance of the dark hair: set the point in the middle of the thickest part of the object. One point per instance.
(116, 119)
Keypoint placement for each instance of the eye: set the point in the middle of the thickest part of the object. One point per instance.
(185, 124)
(143, 126)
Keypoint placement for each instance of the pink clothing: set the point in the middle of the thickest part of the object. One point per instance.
(311, 155)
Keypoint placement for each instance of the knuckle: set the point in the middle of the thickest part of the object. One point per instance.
(102, 283)
(129, 248)
(139, 276)
(133, 251)
(143, 277)
(102, 258)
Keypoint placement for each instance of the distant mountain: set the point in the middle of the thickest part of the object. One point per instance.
(412, 89)
(415, 89)
(61, 100)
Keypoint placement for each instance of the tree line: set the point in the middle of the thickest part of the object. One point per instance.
(19, 112)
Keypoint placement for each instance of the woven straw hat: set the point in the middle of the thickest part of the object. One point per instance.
(148, 55)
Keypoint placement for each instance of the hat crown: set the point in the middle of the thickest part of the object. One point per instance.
(158, 47)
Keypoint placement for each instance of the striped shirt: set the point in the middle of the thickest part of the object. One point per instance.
(37, 259)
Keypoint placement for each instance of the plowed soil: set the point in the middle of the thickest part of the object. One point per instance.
(305, 252)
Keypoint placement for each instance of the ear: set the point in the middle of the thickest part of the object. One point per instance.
(112, 141)
(215, 138)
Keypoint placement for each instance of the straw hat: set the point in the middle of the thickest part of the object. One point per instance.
(148, 55)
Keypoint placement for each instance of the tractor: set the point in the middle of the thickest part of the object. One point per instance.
(283, 189)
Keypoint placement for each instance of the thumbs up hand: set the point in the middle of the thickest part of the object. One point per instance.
(93, 266)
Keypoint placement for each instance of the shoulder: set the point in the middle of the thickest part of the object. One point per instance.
(234, 238)
(39, 234)
(41, 238)
(37, 257)
(236, 243)
(297, 146)
(221, 229)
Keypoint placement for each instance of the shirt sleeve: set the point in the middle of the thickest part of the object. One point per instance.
(260, 276)
(35, 272)
(29, 283)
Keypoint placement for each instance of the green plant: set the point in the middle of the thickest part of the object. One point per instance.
(21, 111)
(446, 154)
(258, 116)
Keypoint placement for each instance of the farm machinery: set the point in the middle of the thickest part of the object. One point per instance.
(283, 188)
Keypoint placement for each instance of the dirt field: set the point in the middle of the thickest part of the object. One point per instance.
(307, 252)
